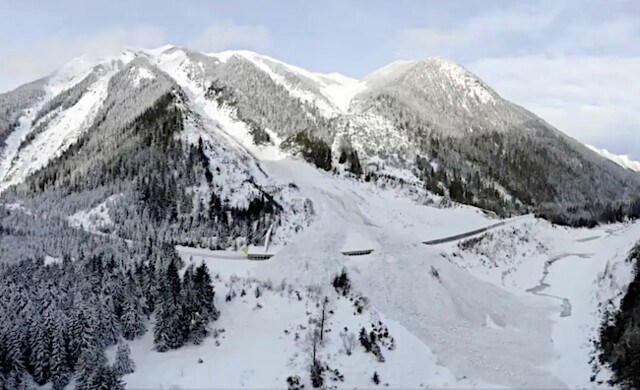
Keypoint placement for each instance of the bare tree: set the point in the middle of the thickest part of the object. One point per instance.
(315, 340)
(323, 317)
(316, 369)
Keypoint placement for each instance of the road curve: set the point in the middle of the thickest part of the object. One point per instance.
(472, 232)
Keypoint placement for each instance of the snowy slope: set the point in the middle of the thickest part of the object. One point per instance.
(449, 315)
(486, 320)
(62, 132)
(622, 160)
(437, 69)
(349, 214)
(63, 127)
(331, 93)
(578, 270)
(261, 341)
(442, 92)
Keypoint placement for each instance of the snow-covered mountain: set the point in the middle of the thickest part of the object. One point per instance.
(117, 174)
(403, 120)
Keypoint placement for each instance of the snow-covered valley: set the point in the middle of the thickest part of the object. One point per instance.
(468, 313)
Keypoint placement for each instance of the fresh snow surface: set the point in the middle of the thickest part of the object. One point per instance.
(575, 269)
(448, 315)
(143, 74)
(622, 159)
(62, 132)
(51, 260)
(95, 220)
(334, 91)
(66, 126)
(261, 340)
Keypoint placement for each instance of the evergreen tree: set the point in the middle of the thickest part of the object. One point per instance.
(106, 378)
(109, 324)
(364, 340)
(39, 358)
(171, 326)
(162, 337)
(88, 369)
(150, 285)
(18, 380)
(58, 359)
(132, 320)
(14, 345)
(203, 308)
(376, 378)
(56, 320)
(123, 364)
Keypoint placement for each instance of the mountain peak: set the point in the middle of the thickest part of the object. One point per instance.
(434, 71)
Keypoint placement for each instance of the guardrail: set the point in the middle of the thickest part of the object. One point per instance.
(462, 235)
(267, 256)
(358, 253)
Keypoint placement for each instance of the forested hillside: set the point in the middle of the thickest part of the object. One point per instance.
(66, 295)
(481, 149)
(169, 188)
(618, 345)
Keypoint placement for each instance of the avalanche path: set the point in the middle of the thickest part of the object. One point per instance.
(479, 331)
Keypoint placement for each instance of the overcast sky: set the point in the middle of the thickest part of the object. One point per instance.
(576, 63)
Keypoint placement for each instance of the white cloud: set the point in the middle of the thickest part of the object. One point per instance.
(489, 29)
(591, 98)
(585, 35)
(229, 35)
(28, 62)
(536, 27)
(622, 160)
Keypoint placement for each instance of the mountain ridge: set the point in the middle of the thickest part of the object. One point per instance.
(405, 114)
